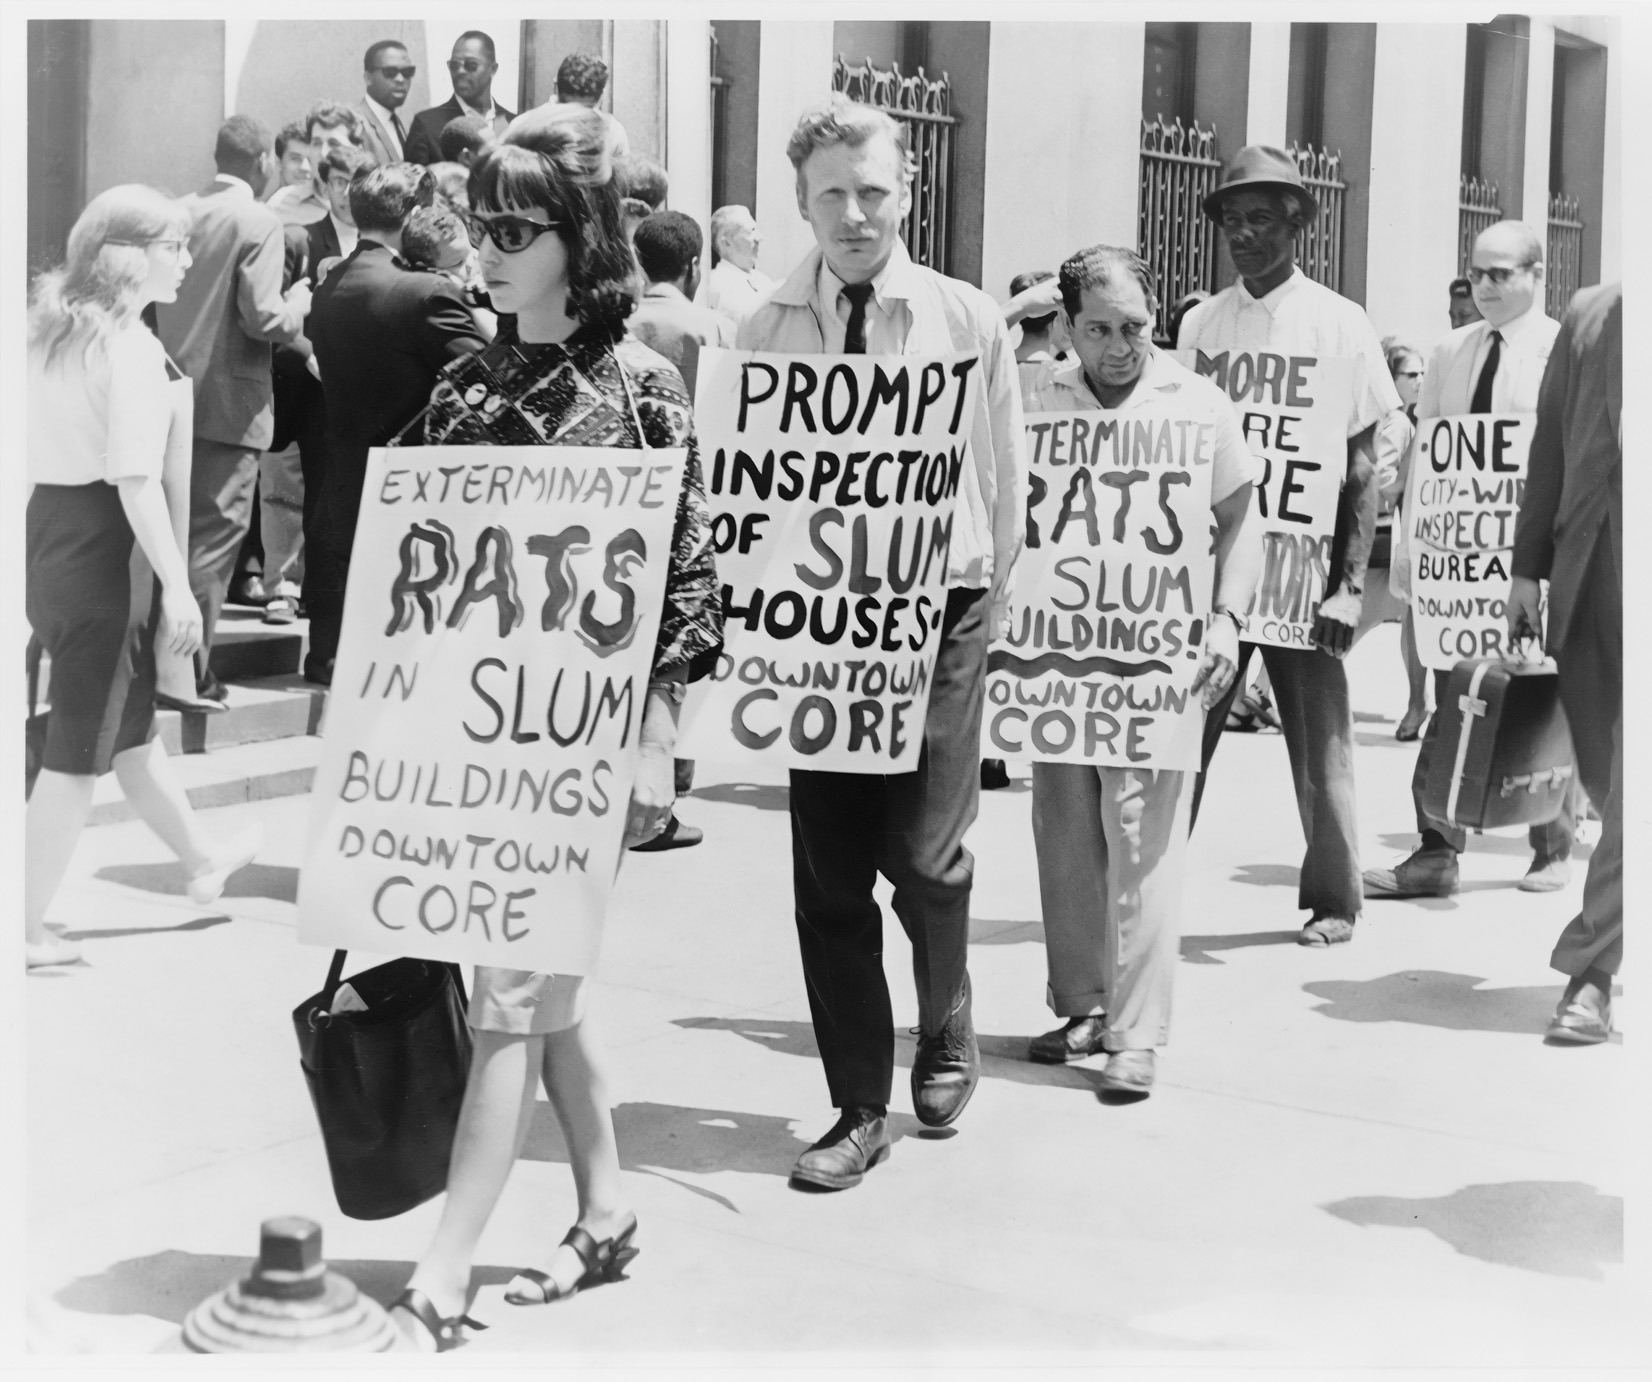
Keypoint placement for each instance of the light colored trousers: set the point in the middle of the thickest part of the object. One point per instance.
(1112, 845)
(281, 516)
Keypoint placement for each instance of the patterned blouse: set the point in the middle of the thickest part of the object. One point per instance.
(572, 394)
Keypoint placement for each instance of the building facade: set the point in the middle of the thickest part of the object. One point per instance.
(1032, 139)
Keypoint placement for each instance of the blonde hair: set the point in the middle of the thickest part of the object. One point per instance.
(76, 308)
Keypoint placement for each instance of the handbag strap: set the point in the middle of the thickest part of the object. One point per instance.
(36, 650)
(335, 976)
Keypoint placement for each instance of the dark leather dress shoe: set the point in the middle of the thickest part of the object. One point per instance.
(856, 1143)
(676, 835)
(994, 774)
(1584, 1017)
(210, 688)
(318, 672)
(946, 1068)
(1075, 1039)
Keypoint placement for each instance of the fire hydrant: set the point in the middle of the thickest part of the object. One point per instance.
(290, 1303)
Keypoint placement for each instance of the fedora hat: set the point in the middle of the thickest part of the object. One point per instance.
(1256, 166)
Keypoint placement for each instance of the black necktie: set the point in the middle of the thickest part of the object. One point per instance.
(1488, 372)
(854, 335)
(401, 134)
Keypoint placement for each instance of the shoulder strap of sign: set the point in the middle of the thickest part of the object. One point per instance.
(631, 402)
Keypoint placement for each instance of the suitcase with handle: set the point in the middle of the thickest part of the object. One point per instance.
(1503, 755)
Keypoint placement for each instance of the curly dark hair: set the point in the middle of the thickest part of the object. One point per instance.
(560, 162)
(1099, 265)
(582, 74)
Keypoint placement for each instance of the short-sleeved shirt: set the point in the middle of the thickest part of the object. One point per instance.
(1058, 386)
(1304, 318)
(103, 417)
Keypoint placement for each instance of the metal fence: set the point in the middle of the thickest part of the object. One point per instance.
(1565, 258)
(923, 104)
(1179, 169)
(1478, 206)
(1319, 245)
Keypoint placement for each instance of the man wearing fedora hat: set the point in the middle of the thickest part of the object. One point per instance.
(1261, 204)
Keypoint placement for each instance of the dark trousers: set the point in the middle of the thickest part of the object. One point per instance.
(1310, 692)
(1549, 839)
(1591, 688)
(327, 565)
(222, 482)
(849, 827)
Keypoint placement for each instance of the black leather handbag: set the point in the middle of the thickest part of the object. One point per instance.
(34, 731)
(387, 1083)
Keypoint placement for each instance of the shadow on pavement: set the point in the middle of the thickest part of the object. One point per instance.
(765, 796)
(985, 932)
(1002, 1057)
(1433, 998)
(278, 882)
(195, 924)
(168, 1285)
(1268, 875)
(1196, 950)
(1563, 1228)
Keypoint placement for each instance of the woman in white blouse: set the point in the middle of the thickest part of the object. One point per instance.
(100, 407)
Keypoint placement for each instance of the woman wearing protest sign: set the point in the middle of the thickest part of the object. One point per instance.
(546, 218)
(1111, 839)
(100, 411)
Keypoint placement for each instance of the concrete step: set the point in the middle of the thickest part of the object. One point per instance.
(263, 708)
(244, 647)
(246, 772)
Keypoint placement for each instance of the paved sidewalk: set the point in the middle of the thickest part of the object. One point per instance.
(1361, 1156)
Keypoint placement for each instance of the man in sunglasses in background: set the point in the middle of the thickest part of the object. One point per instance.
(381, 331)
(1494, 364)
(471, 70)
(387, 73)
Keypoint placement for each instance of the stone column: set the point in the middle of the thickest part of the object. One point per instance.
(794, 73)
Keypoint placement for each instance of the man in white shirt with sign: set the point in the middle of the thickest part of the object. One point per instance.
(1112, 840)
(1261, 204)
(1490, 366)
(858, 292)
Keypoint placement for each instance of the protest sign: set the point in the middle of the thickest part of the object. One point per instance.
(1112, 592)
(1294, 410)
(832, 481)
(1461, 502)
(481, 733)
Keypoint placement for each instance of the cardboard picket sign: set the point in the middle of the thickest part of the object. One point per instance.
(1294, 412)
(1112, 593)
(481, 733)
(1460, 508)
(833, 481)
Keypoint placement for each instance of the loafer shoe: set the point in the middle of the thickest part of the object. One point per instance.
(1425, 873)
(856, 1143)
(946, 1068)
(54, 950)
(1129, 1072)
(1075, 1039)
(676, 835)
(994, 774)
(1584, 1017)
(1546, 876)
(1323, 931)
(318, 671)
(281, 610)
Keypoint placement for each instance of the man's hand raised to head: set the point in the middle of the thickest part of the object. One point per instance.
(1335, 622)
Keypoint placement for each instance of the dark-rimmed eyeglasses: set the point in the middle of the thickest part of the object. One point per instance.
(510, 234)
(467, 65)
(1499, 275)
(394, 72)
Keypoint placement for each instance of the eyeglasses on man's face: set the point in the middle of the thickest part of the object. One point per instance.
(406, 73)
(468, 65)
(1499, 275)
(510, 234)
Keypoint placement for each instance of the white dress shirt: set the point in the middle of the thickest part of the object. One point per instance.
(1306, 318)
(888, 318)
(734, 291)
(1527, 341)
(347, 235)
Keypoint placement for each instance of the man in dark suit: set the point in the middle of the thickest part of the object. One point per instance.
(471, 69)
(381, 332)
(387, 73)
(1570, 531)
(228, 313)
(335, 236)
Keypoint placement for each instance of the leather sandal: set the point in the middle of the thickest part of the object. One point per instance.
(444, 1332)
(604, 1262)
